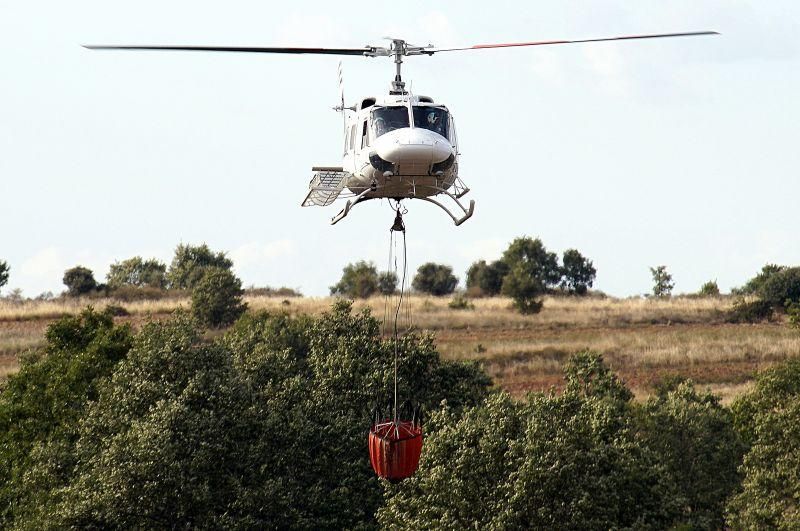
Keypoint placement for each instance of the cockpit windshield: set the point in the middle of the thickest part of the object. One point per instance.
(431, 118)
(385, 119)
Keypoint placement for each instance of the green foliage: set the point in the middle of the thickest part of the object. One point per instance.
(138, 273)
(387, 282)
(435, 279)
(264, 427)
(781, 287)
(217, 298)
(189, 264)
(578, 272)
(41, 406)
(4, 272)
(460, 302)
(524, 289)
(709, 289)
(694, 437)
(531, 255)
(768, 418)
(662, 281)
(754, 285)
(755, 311)
(359, 280)
(554, 462)
(486, 279)
(79, 281)
(793, 313)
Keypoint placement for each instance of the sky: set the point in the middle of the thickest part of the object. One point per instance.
(682, 152)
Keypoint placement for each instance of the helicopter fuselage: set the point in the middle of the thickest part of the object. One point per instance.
(400, 147)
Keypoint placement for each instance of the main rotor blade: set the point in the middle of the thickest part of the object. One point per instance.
(282, 49)
(543, 43)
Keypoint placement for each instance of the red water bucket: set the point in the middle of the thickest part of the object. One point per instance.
(394, 448)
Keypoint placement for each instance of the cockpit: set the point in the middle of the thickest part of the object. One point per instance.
(385, 119)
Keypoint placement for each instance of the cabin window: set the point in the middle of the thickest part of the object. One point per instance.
(385, 119)
(433, 119)
(364, 137)
(352, 136)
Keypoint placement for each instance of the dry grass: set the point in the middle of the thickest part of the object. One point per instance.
(642, 339)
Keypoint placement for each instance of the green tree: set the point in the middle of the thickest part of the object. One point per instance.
(753, 286)
(709, 289)
(768, 417)
(189, 264)
(694, 437)
(487, 279)
(4, 272)
(217, 298)
(138, 273)
(435, 279)
(578, 272)
(263, 427)
(79, 281)
(553, 462)
(662, 281)
(532, 272)
(41, 406)
(781, 288)
(359, 280)
(387, 282)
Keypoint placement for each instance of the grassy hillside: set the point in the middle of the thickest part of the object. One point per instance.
(643, 339)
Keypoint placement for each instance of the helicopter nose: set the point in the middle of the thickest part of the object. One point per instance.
(413, 146)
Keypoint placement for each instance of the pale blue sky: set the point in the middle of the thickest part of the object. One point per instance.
(680, 152)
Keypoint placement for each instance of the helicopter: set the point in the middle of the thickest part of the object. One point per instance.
(399, 146)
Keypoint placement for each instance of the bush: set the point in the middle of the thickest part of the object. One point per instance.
(272, 292)
(755, 311)
(138, 273)
(768, 418)
(554, 462)
(217, 298)
(387, 282)
(359, 280)
(460, 302)
(578, 272)
(662, 281)
(709, 289)
(79, 281)
(781, 287)
(4, 272)
(486, 279)
(536, 261)
(262, 428)
(524, 289)
(189, 264)
(435, 279)
(753, 285)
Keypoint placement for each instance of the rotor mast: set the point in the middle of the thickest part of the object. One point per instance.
(398, 49)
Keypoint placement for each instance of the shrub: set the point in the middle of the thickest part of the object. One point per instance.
(387, 282)
(116, 311)
(781, 287)
(79, 281)
(262, 428)
(578, 272)
(531, 255)
(435, 279)
(768, 417)
(460, 302)
(553, 462)
(137, 272)
(753, 285)
(272, 292)
(743, 311)
(486, 279)
(4, 272)
(524, 289)
(359, 280)
(217, 298)
(189, 264)
(709, 289)
(662, 281)
(694, 437)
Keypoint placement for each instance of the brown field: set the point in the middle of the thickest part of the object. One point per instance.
(642, 339)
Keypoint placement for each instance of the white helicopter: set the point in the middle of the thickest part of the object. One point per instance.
(400, 146)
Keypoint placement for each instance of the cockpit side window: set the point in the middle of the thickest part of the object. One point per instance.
(385, 119)
(433, 119)
(364, 135)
